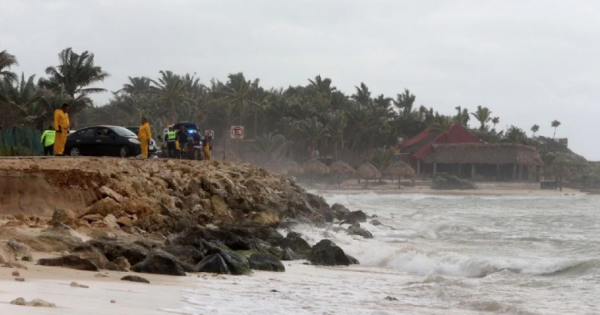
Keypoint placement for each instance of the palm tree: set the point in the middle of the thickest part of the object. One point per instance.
(404, 102)
(271, 145)
(313, 131)
(381, 159)
(483, 115)
(6, 62)
(363, 95)
(238, 90)
(336, 124)
(169, 90)
(22, 96)
(136, 86)
(75, 74)
(462, 116)
(555, 125)
(443, 124)
(322, 86)
(534, 130)
(495, 121)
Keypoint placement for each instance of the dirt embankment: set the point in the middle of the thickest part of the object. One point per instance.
(152, 195)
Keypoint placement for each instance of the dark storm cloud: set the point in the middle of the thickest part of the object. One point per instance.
(528, 61)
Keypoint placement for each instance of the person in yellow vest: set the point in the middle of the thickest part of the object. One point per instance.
(48, 141)
(61, 126)
(144, 135)
(207, 147)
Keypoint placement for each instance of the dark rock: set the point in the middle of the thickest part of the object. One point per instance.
(113, 249)
(262, 232)
(147, 244)
(187, 254)
(355, 229)
(27, 258)
(265, 262)
(17, 248)
(213, 264)
(161, 263)
(339, 211)
(135, 279)
(287, 254)
(327, 213)
(295, 242)
(375, 222)
(123, 263)
(70, 261)
(327, 253)
(353, 261)
(238, 264)
(355, 216)
(390, 298)
(93, 254)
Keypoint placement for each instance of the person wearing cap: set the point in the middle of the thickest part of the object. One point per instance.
(61, 127)
(48, 140)
(144, 136)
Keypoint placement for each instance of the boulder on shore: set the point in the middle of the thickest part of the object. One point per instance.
(161, 263)
(355, 229)
(355, 216)
(296, 243)
(70, 261)
(327, 253)
(287, 254)
(225, 262)
(265, 262)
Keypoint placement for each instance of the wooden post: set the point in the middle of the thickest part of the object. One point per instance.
(537, 173)
(418, 167)
(514, 175)
(472, 171)
(434, 168)
(497, 171)
(520, 172)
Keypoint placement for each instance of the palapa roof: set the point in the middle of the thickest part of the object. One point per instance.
(368, 171)
(484, 153)
(340, 167)
(399, 168)
(420, 145)
(293, 168)
(315, 167)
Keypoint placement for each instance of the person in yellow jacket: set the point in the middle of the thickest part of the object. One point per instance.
(207, 147)
(144, 135)
(62, 127)
(48, 141)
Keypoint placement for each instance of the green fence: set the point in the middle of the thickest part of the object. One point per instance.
(20, 141)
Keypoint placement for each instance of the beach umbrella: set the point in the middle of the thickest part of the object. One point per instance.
(399, 169)
(368, 171)
(340, 168)
(315, 167)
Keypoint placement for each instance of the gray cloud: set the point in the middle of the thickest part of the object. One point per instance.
(529, 61)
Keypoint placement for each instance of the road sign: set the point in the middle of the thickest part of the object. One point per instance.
(237, 132)
(209, 133)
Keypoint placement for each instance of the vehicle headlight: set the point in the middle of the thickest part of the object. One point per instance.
(132, 140)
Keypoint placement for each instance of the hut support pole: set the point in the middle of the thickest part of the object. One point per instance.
(537, 173)
(514, 175)
(418, 167)
(434, 168)
(472, 171)
(520, 172)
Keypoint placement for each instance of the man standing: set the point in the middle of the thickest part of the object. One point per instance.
(144, 136)
(48, 141)
(171, 138)
(182, 139)
(61, 126)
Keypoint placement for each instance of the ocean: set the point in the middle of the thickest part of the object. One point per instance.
(435, 255)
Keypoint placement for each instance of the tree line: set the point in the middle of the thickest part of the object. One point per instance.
(288, 122)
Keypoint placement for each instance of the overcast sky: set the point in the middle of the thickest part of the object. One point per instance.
(529, 61)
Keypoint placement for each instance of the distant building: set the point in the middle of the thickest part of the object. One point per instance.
(498, 161)
(415, 149)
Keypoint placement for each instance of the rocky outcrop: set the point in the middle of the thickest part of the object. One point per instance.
(70, 261)
(327, 253)
(162, 263)
(265, 262)
(287, 254)
(355, 217)
(114, 249)
(224, 261)
(355, 229)
(296, 243)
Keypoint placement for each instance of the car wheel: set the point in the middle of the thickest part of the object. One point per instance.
(124, 151)
(75, 151)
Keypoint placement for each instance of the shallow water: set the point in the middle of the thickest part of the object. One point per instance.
(442, 255)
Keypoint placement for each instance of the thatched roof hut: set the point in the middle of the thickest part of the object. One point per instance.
(368, 171)
(484, 153)
(399, 168)
(315, 167)
(291, 167)
(341, 168)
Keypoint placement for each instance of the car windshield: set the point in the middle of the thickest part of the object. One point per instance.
(124, 132)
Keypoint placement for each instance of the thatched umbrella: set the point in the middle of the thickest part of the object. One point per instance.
(340, 168)
(293, 168)
(315, 167)
(399, 169)
(368, 171)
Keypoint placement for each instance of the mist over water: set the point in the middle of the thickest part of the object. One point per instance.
(507, 254)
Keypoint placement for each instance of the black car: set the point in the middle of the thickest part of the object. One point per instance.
(103, 141)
